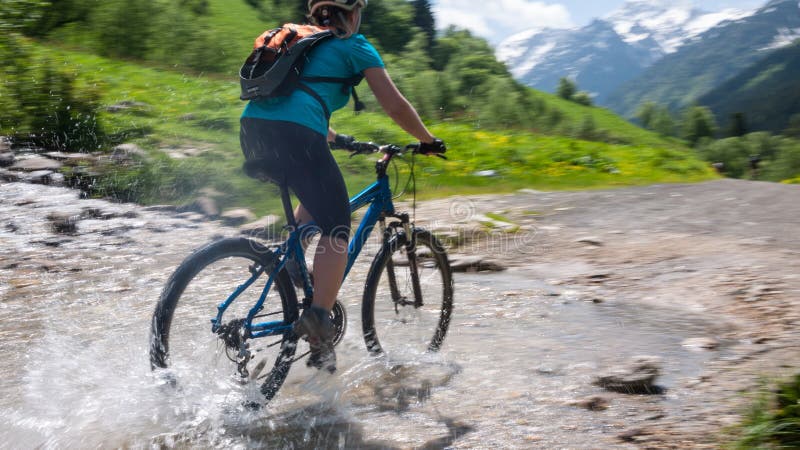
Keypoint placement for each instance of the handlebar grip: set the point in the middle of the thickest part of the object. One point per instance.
(436, 147)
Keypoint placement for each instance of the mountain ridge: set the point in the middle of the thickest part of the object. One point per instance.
(640, 34)
(717, 55)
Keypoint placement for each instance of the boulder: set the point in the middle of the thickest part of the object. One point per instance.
(701, 343)
(5, 144)
(203, 205)
(6, 159)
(590, 240)
(71, 159)
(474, 263)
(126, 105)
(40, 177)
(64, 223)
(266, 227)
(7, 175)
(638, 376)
(593, 403)
(236, 217)
(127, 152)
(36, 163)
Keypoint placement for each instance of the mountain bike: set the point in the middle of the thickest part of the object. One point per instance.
(229, 306)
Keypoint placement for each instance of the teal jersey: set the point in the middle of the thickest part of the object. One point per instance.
(339, 58)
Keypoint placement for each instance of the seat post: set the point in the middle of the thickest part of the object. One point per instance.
(287, 206)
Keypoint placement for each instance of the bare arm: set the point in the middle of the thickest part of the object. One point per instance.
(395, 104)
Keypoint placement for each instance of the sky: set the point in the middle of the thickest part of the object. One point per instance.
(496, 20)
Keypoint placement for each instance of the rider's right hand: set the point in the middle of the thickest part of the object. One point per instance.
(436, 147)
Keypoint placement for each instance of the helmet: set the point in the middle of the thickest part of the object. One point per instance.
(348, 5)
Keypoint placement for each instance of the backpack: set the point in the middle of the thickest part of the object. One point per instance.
(275, 66)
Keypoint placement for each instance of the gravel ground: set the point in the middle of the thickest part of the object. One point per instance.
(726, 248)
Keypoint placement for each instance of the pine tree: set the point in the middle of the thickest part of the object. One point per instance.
(737, 125)
(423, 18)
(566, 88)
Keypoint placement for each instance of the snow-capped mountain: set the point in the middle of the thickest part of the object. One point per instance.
(609, 51)
(717, 55)
(667, 24)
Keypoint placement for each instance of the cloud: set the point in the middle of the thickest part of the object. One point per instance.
(495, 20)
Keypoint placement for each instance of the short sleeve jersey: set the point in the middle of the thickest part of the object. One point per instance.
(340, 58)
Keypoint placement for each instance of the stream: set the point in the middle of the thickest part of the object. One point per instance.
(75, 313)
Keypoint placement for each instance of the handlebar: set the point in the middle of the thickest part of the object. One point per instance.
(366, 148)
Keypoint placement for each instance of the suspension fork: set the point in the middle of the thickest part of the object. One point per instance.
(411, 254)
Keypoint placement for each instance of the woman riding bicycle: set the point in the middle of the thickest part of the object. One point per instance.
(289, 138)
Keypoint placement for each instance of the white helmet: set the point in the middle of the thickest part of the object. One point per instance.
(348, 5)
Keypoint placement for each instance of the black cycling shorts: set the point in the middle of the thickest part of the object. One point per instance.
(290, 153)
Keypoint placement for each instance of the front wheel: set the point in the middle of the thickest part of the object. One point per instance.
(183, 342)
(408, 296)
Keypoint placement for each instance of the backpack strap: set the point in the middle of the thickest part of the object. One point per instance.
(348, 86)
(305, 88)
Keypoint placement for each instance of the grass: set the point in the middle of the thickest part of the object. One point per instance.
(170, 110)
(773, 420)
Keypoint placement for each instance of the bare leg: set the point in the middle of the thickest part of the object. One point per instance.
(330, 261)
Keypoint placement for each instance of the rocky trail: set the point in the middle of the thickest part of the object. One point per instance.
(697, 288)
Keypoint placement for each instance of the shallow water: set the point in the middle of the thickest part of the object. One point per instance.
(74, 323)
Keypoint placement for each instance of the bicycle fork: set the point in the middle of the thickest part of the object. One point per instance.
(411, 254)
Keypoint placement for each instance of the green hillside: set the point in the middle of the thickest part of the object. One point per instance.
(767, 93)
(187, 120)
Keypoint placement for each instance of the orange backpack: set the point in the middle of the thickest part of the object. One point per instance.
(274, 67)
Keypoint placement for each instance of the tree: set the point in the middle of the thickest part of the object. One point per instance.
(582, 98)
(793, 128)
(646, 114)
(387, 22)
(662, 122)
(737, 125)
(698, 122)
(424, 20)
(566, 88)
(124, 27)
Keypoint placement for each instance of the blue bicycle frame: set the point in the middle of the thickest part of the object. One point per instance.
(379, 198)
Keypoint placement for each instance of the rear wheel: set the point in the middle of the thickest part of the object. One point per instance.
(408, 296)
(182, 341)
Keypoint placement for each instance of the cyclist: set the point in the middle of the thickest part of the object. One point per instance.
(288, 138)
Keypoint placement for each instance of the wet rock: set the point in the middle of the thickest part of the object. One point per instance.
(5, 145)
(701, 343)
(203, 205)
(71, 159)
(474, 263)
(39, 176)
(593, 403)
(632, 435)
(128, 152)
(236, 217)
(638, 376)
(64, 223)
(36, 163)
(19, 283)
(126, 105)
(266, 227)
(6, 159)
(160, 208)
(590, 240)
(7, 175)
